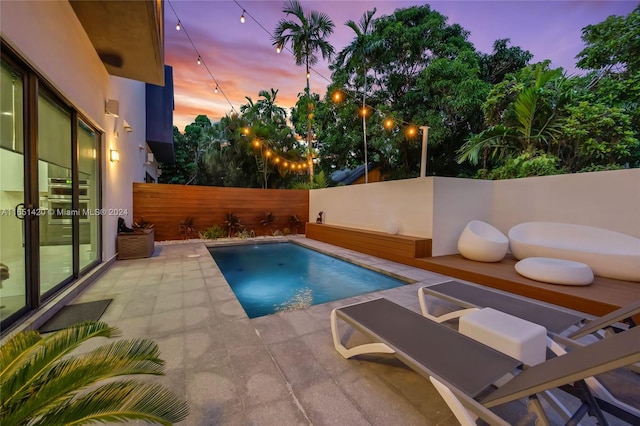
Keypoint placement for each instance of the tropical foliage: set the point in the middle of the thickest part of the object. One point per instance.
(490, 115)
(51, 381)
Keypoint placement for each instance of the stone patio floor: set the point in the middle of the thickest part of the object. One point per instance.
(279, 369)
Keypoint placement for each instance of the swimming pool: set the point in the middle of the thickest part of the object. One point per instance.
(269, 278)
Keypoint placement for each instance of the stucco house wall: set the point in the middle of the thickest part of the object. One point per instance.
(64, 56)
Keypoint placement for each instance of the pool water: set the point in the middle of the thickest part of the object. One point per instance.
(269, 278)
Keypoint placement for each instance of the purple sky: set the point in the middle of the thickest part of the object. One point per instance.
(243, 62)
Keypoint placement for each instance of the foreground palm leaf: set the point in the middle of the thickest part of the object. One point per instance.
(44, 382)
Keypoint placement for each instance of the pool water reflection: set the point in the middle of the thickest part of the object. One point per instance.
(269, 278)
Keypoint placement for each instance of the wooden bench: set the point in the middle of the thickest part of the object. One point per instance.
(398, 248)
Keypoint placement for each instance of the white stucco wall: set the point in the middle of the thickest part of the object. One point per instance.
(455, 203)
(439, 207)
(609, 200)
(55, 44)
(375, 206)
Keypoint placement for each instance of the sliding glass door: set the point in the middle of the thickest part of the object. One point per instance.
(13, 298)
(49, 192)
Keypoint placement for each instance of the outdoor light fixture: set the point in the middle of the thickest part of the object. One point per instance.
(308, 75)
(199, 60)
(114, 155)
(278, 49)
(216, 89)
(112, 107)
(242, 16)
(178, 25)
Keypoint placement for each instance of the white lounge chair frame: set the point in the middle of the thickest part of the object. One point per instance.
(381, 316)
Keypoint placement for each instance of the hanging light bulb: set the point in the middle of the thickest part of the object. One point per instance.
(199, 60)
(308, 75)
(216, 89)
(178, 26)
(242, 17)
(278, 49)
(388, 123)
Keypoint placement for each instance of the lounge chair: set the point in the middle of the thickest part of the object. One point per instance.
(465, 371)
(557, 322)
(560, 324)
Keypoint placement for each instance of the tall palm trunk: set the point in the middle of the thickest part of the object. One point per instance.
(309, 142)
(364, 128)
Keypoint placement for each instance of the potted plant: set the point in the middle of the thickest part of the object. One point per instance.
(46, 381)
(142, 225)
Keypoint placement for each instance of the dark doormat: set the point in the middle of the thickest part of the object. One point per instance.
(73, 314)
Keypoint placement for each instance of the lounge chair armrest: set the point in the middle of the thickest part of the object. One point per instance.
(357, 350)
(442, 318)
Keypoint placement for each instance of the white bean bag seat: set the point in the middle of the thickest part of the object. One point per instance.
(608, 253)
(482, 242)
(555, 271)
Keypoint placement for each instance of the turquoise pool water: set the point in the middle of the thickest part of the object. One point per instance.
(269, 278)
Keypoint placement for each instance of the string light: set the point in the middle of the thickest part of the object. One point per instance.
(337, 96)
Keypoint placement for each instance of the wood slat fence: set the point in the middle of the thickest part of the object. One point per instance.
(166, 205)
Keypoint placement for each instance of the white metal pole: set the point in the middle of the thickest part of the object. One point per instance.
(423, 160)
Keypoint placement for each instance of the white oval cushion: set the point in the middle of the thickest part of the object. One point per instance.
(555, 271)
(482, 242)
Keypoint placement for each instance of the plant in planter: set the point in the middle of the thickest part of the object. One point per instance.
(46, 382)
(142, 225)
(232, 223)
(187, 227)
(295, 223)
(267, 222)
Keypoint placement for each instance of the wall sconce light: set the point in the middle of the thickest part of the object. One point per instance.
(112, 107)
(127, 126)
(114, 155)
(149, 157)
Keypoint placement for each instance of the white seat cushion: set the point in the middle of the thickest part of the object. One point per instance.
(520, 339)
(555, 271)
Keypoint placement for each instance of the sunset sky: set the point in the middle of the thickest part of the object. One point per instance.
(240, 57)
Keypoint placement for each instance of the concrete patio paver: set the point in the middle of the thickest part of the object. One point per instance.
(279, 369)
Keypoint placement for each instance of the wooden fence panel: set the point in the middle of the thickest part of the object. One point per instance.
(166, 205)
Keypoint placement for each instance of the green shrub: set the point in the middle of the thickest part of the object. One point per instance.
(213, 233)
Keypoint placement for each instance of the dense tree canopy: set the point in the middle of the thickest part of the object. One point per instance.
(490, 115)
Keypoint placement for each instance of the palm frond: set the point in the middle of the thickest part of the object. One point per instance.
(15, 349)
(525, 109)
(60, 381)
(45, 351)
(489, 140)
(117, 402)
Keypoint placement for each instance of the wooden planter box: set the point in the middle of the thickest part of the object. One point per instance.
(136, 245)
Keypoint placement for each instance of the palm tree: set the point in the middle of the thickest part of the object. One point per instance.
(534, 126)
(44, 381)
(306, 37)
(357, 53)
(269, 111)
